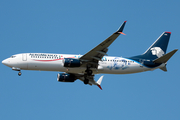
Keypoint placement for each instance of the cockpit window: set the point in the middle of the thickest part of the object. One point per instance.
(13, 56)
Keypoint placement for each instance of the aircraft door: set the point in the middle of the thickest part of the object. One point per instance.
(24, 57)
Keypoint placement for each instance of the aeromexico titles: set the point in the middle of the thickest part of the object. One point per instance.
(96, 61)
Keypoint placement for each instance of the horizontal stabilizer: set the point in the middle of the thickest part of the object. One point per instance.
(166, 57)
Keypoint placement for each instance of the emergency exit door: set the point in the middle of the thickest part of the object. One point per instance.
(24, 57)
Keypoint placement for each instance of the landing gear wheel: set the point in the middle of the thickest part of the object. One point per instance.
(89, 72)
(86, 81)
(19, 73)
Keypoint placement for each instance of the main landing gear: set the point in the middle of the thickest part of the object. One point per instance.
(86, 81)
(88, 72)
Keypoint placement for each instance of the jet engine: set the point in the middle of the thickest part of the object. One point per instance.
(64, 77)
(71, 62)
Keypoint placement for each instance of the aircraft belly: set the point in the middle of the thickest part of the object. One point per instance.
(45, 66)
(122, 69)
(75, 70)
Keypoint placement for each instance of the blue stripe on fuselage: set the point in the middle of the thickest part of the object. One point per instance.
(146, 62)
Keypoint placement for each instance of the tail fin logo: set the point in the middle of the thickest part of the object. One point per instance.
(157, 51)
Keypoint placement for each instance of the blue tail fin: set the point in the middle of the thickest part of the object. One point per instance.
(158, 48)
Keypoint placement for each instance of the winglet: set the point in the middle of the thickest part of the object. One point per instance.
(99, 87)
(121, 28)
(99, 82)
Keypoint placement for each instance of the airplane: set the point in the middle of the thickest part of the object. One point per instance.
(84, 67)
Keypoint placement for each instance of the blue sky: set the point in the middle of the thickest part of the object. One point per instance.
(75, 27)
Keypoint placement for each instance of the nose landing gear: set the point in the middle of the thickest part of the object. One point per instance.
(17, 69)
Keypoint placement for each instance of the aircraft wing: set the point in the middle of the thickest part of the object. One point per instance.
(96, 54)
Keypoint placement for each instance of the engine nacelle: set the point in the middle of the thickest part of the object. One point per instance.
(71, 62)
(64, 77)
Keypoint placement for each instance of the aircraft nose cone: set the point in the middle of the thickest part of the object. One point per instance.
(5, 62)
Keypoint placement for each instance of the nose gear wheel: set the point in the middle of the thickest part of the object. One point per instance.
(19, 73)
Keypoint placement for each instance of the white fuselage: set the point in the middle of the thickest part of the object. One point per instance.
(54, 62)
